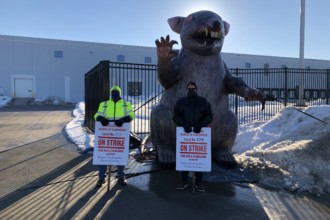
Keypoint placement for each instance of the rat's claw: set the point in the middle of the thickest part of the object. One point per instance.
(173, 42)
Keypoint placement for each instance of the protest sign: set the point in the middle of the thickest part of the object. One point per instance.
(111, 144)
(193, 150)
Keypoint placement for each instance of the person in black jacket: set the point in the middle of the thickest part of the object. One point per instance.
(192, 112)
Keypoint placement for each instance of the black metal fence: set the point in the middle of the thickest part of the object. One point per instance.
(284, 84)
(96, 90)
(140, 86)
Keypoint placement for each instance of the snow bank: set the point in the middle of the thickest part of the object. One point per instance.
(290, 151)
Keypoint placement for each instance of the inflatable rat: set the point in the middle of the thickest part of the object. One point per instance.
(199, 60)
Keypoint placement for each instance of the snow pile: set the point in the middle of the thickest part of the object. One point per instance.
(290, 151)
(4, 100)
(75, 131)
(50, 100)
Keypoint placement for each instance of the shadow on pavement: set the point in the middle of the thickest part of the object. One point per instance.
(69, 193)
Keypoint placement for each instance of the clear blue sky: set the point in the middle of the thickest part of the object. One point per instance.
(261, 27)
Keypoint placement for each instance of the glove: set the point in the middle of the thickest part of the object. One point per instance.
(126, 118)
(197, 129)
(187, 128)
(103, 120)
(119, 122)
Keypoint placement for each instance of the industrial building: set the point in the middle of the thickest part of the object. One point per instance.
(35, 67)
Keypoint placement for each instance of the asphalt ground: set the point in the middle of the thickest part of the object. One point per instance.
(44, 177)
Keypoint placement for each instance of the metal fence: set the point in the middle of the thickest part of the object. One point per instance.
(96, 90)
(140, 86)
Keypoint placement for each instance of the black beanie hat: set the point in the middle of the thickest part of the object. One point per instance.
(191, 83)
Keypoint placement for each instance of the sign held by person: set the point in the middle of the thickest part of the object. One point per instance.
(193, 150)
(111, 144)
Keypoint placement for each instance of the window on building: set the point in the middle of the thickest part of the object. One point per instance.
(134, 88)
(323, 94)
(292, 94)
(147, 59)
(120, 58)
(58, 54)
(247, 65)
(266, 91)
(307, 94)
(282, 92)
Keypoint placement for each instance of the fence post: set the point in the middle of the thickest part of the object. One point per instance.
(236, 97)
(328, 87)
(301, 87)
(286, 92)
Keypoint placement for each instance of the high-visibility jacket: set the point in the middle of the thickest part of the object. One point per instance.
(115, 110)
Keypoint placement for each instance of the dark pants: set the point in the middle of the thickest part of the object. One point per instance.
(184, 176)
(103, 171)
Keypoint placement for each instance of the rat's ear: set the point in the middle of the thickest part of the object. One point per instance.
(227, 27)
(176, 23)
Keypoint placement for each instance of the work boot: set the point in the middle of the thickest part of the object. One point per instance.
(182, 185)
(122, 181)
(200, 187)
(100, 182)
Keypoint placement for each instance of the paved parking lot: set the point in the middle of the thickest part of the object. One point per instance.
(20, 125)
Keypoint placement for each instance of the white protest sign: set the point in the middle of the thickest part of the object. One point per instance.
(193, 150)
(111, 144)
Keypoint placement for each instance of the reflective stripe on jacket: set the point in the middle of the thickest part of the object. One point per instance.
(115, 110)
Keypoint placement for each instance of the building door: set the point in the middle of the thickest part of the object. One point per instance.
(23, 87)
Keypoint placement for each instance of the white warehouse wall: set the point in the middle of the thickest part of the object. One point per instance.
(21, 56)
(34, 58)
(257, 61)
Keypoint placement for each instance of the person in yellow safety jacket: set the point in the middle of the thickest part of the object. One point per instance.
(120, 111)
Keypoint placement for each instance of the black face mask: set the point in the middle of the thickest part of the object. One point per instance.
(115, 96)
(191, 93)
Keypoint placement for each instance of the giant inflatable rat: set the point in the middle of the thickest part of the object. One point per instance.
(199, 60)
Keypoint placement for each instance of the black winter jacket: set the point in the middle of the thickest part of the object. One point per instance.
(192, 111)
